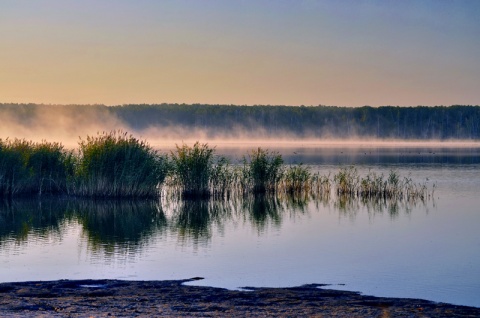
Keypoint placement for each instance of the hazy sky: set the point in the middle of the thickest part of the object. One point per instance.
(336, 52)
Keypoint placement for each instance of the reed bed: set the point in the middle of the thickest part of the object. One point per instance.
(116, 165)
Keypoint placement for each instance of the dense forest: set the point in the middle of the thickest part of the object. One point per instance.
(419, 122)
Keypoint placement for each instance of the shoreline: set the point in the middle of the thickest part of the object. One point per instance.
(172, 298)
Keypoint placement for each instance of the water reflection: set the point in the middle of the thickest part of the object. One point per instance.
(263, 210)
(123, 227)
(115, 226)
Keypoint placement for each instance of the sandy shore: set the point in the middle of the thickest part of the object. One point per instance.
(115, 298)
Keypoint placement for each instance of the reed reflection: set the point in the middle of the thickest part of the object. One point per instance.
(22, 219)
(264, 210)
(349, 206)
(194, 219)
(118, 226)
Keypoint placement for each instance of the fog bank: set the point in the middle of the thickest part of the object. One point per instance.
(225, 126)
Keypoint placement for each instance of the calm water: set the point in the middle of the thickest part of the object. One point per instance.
(425, 250)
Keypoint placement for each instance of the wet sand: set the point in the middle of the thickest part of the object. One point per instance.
(116, 298)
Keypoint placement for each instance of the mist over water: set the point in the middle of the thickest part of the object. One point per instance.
(56, 123)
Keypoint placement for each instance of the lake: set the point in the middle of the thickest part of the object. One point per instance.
(428, 250)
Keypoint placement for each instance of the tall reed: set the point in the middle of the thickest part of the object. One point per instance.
(116, 164)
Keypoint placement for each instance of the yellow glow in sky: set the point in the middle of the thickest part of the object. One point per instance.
(289, 53)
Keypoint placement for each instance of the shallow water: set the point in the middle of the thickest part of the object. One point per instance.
(427, 250)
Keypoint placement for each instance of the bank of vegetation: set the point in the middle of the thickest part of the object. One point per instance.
(118, 165)
(231, 121)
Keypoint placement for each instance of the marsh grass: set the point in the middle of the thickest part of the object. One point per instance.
(116, 164)
(28, 168)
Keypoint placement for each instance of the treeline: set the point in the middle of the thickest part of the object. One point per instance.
(419, 122)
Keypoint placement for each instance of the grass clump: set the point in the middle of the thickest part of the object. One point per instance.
(28, 168)
(116, 164)
(297, 182)
(375, 186)
(297, 179)
(197, 172)
(263, 170)
(346, 181)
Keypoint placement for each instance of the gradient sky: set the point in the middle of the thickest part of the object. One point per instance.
(338, 52)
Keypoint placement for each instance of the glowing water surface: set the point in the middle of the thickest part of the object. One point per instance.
(425, 250)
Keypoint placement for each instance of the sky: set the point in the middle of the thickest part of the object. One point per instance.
(298, 52)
